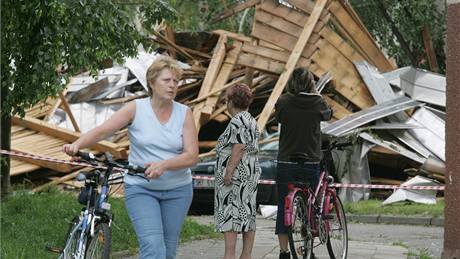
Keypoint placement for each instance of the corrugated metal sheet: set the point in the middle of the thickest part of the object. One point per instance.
(432, 135)
(424, 86)
(370, 114)
(381, 91)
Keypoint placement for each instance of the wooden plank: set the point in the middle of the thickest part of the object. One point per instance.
(169, 34)
(211, 74)
(281, 39)
(222, 78)
(51, 165)
(260, 63)
(299, 19)
(347, 82)
(429, 49)
(89, 91)
(166, 41)
(360, 37)
(57, 181)
(234, 10)
(18, 167)
(291, 63)
(268, 53)
(69, 111)
(67, 135)
(216, 91)
(233, 35)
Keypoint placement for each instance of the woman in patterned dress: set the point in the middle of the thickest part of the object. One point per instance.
(237, 173)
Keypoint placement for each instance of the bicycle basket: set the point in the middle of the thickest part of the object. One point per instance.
(85, 194)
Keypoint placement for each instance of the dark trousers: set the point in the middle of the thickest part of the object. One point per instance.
(292, 173)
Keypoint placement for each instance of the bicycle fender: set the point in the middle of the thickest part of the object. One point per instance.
(288, 206)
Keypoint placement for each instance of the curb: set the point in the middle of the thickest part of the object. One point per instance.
(391, 219)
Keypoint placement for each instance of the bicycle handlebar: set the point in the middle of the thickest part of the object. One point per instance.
(130, 169)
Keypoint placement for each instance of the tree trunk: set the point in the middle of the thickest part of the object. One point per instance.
(5, 160)
(5, 143)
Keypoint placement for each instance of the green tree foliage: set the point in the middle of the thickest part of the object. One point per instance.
(45, 41)
(409, 17)
(39, 38)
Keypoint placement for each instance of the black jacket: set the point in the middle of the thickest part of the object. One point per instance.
(300, 117)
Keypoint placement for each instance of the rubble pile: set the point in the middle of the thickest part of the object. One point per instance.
(394, 115)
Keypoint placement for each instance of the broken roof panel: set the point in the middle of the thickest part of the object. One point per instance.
(432, 135)
(424, 86)
(380, 89)
(393, 146)
(370, 114)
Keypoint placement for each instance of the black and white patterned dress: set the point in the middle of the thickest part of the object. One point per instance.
(235, 204)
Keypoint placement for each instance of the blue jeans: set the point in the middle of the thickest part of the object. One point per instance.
(157, 217)
(292, 173)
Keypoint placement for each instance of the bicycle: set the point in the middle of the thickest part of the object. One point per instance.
(89, 235)
(316, 217)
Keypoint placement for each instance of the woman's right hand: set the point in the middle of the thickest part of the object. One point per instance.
(70, 149)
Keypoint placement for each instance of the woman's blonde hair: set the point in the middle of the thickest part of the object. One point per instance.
(160, 63)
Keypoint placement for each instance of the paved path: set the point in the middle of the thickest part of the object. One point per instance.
(266, 246)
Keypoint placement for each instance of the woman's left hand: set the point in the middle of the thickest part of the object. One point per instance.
(228, 178)
(154, 170)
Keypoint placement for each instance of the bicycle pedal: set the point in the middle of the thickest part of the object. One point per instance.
(56, 250)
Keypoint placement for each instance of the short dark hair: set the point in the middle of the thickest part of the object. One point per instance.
(301, 80)
(240, 95)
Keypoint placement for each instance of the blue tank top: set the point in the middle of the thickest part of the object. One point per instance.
(151, 141)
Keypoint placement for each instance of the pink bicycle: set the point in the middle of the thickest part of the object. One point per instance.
(316, 217)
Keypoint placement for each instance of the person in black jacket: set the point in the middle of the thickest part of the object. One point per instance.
(299, 113)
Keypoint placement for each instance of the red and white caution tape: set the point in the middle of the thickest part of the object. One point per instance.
(211, 178)
(384, 186)
(350, 185)
(49, 159)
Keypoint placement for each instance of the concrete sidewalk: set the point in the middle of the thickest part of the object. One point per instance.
(266, 246)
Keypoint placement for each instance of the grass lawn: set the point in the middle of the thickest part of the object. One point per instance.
(31, 222)
(375, 207)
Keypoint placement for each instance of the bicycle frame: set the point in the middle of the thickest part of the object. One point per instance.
(88, 217)
(322, 191)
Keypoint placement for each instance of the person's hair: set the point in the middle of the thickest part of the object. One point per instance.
(240, 95)
(160, 63)
(301, 80)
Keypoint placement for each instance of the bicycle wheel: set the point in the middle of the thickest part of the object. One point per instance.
(300, 237)
(337, 243)
(99, 245)
(71, 245)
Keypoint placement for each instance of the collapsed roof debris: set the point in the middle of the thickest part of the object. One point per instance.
(399, 109)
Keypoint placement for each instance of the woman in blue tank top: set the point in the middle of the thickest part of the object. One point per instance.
(164, 139)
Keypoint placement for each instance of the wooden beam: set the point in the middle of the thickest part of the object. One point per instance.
(89, 91)
(169, 34)
(165, 40)
(51, 165)
(234, 10)
(233, 35)
(57, 181)
(291, 63)
(260, 63)
(69, 111)
(222, 78)
(429, 50)
(360, 37)
(211, 74)
(67, 135)
(216, 91)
